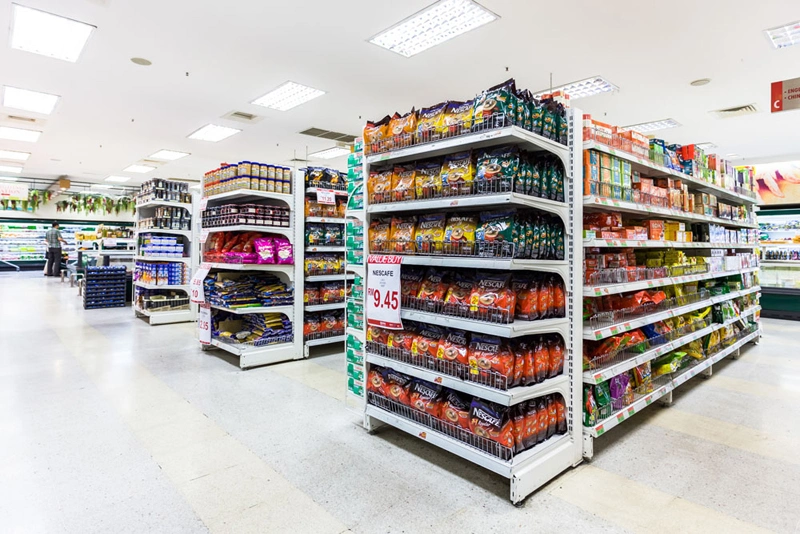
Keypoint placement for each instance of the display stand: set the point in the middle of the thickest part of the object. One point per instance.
(161, 241)
(253, 354)
(779, 247)
(739, 271)
(529, 469)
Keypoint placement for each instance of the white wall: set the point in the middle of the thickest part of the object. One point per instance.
(48, 212)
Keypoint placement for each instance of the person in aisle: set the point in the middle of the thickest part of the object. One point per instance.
(54, 240)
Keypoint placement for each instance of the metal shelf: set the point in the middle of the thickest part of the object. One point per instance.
(337, 192)
(630, 243)
(324, 248)
(477, 201)
(283, 230)
(154, 286)
(325, 341)
(184, 233)
(325, 307)
(181, 259)
(165, 317)
(629, 207)
(287, 310)
(505, 264)
(774, 263)
(705, 364)
(248, 195)
(275, 267)
(649, 168)
(611, 289)
(167, 203)
(254, 356)
(510, 397)
(514, 329)
(327, 220)
(329, 277)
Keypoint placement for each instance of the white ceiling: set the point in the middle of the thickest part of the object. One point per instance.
(114, 113)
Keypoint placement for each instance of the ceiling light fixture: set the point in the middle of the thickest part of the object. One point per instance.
(9, 168)
(14, 97)
(102, 186)
(117, 179)
(14, 155)
(141, 169)
(47, 34)
(141, 61)
(213, 133)
(700, 82)
(433, 25)
(330, 153)
(706, 146)
(168, 155)
(18, 134)
(287, 96)
(9, 178)
(784, 36)
(653, 126)
(732, 156)
(582, 88)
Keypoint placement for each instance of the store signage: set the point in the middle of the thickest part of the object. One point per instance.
(203, 203)
(109, 242)
(196, 291)
(204, 324)
(786, 95)
(326, 196)
(383, 291)
(12, 191)
(203, 236)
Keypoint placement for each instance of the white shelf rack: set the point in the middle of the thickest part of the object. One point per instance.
(663, 386)
(325, 307)
(780, 263)
(532, 468)
(254, 356)
(329, 277)
(144, 210)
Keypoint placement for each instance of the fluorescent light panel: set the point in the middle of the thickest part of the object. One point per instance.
(14, 155)
(8, 178)
(582, 88)
(653, 126)
(784, 36)
(141, 169)
(14, 97)
(329, 153)
(287, 96)
(47, 34)
(8, 168)
(706, 146)
(433, 25)
(102, 186)
(168, 155)
(117, 179)
(18, 134)
(213, 133)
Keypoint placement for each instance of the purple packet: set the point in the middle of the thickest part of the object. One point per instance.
(265, 250)
(284, 252)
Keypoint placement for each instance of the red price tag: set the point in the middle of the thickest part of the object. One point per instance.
(326, 196)
(203, 203)
(204, 324)
(196, 291)
(383, 291)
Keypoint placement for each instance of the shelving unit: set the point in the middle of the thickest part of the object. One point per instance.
(605, 325)
(779, 249)
(159, 241)
(529, 469)
(278, 349)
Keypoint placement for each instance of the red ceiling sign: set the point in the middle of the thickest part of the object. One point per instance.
(785, 95)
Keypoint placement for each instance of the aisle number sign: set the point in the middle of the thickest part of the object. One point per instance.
(196, 292)
(204, 324)
(326, 196)
(383, 291)
(785, 95)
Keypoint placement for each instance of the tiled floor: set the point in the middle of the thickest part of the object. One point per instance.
(109, 425)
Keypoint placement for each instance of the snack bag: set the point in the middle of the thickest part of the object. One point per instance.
(310, 294)
(378, 233)
(531, 424)
(642, 377)
(401, 339)
(375, 134)
(518, 422)
(492, 298)
(552, 416)
(430, 233)
(433, 288)
(395, 386)
(377, 335)
(403, 182)
(541, 360)
(284, 251)
(265, 248)
(455, 410)
(379, 185)
(430, 123)
(527, 301)
(495, 234)
(525, 350)
(457, 174)
(459, 235)
(458, 118)
(561, 408)
(410, 282)
(401, 130)
(489, 356)
(559, 297)
(426, 341)
(428, 176)
(590, 412)
(458, 293)
(518, 350)
(311, 325)
(402, 233)
(555, 348)
(496, 169)
(495, 107)
(491, 421)
(543, 419)
(453, 347)
(546, 299)
(375, 380)
(425, 397)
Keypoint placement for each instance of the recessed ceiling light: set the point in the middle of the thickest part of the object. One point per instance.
(9, 178)
(47, 34)
(14, 97)
(168, 155)
(732, 155)
(705, 146)
(18, 134)
(582, 88)
(118, 179)
(287, 96)
(14, 155)
(700, 82)
(141, 169)
(653, 126)
(433, 25)
(102, 186)
(8, 168)
(329, 153)
(784, 36)
(142, 61)
(213, 133)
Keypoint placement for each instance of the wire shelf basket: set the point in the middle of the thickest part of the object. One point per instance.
(320, 301)
(640, 274)
(464, 436)
(334, 243)
(323, 335)
(474, 249)
(477, 312)
(321, 272)
(320, 184)
(609, 318)
(258, 342)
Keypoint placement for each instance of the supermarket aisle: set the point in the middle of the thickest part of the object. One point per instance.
(110, 425)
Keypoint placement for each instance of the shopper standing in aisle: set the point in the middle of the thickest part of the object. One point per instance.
(54, 240)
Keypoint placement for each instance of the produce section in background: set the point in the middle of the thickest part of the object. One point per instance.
(780, 262)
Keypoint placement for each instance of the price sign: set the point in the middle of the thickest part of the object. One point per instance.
(383, 291)
(196, 292)
(326, 196)
(203, 235)
(110, 242)
(203, 203)
(204, 324)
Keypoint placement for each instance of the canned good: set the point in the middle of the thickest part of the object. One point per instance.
(263, 171)
(244, 168)
(287, 180)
